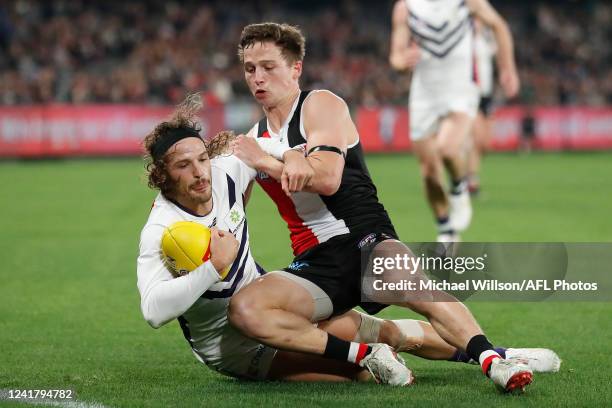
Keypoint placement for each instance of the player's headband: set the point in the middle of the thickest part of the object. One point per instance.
(161, 146)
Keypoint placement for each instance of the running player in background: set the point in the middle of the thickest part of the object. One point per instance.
(435, 40)
(482, 131)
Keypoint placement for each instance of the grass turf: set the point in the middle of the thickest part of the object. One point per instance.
(70, 307)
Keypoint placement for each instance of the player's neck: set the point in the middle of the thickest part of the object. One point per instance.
(277, 115)
(194, 208)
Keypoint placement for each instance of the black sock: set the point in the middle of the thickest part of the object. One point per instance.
(442, 220)
(457, 186)
(480, 344)
(343, 350)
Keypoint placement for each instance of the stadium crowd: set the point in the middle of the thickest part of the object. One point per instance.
(96, 51)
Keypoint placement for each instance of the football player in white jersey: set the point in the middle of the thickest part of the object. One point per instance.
(434, 39)
(194, 187)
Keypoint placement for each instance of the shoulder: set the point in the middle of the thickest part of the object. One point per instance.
(228, 164)
(232, 167)
(163, 213)
(323, 103)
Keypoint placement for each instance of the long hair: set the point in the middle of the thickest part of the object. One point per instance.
(185, 116)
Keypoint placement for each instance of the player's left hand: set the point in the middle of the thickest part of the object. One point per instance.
(509, 81)
(247, 150)
(297, 172)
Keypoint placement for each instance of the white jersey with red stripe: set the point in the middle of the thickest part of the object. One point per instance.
(203, 319)
(312, 218)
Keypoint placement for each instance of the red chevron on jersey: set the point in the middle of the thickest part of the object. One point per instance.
(302, 237)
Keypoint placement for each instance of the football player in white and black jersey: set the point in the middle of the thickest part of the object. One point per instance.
(435, 40)
(331, 215)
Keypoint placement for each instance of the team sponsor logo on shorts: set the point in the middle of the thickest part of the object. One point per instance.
(296, 266)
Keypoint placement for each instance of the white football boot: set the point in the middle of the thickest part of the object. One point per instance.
(386, 366)
(539, 360)
(510, 375)
(460, 211)
(448, 237)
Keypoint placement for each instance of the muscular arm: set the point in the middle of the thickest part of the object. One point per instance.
(505, 54)
(271, 166)
(403, 55)
(327, 121)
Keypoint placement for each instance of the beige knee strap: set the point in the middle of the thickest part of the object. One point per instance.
(369, 328)
(412, 333)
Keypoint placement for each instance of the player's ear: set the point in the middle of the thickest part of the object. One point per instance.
(297, 69)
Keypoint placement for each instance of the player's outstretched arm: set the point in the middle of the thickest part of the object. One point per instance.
(508, 76)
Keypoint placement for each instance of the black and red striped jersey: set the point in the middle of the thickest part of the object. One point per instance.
(313, 218)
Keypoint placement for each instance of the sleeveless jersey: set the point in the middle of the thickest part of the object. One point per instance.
(314, 218)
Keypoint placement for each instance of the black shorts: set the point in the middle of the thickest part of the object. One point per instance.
(335, 267)
(486, 105)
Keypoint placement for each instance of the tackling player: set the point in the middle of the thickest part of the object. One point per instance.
(330, 215)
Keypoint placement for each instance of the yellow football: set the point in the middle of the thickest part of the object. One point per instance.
(185, 246)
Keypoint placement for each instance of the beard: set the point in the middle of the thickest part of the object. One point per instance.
(200, 197)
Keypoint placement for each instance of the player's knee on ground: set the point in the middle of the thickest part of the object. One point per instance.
(245, 315)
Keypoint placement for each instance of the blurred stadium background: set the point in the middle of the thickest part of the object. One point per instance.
(88, 79)
(69, 68)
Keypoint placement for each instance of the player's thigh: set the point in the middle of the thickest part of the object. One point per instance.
(453, 133)
(273, 291)
(291, 366)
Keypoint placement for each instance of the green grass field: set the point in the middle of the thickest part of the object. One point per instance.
(70, 307)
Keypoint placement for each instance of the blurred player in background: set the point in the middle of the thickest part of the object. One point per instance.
(198, 183)
(435, 40)
(331, 215)
(482, 131)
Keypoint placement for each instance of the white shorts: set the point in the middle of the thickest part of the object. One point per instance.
(240, 357)
(429, 106)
